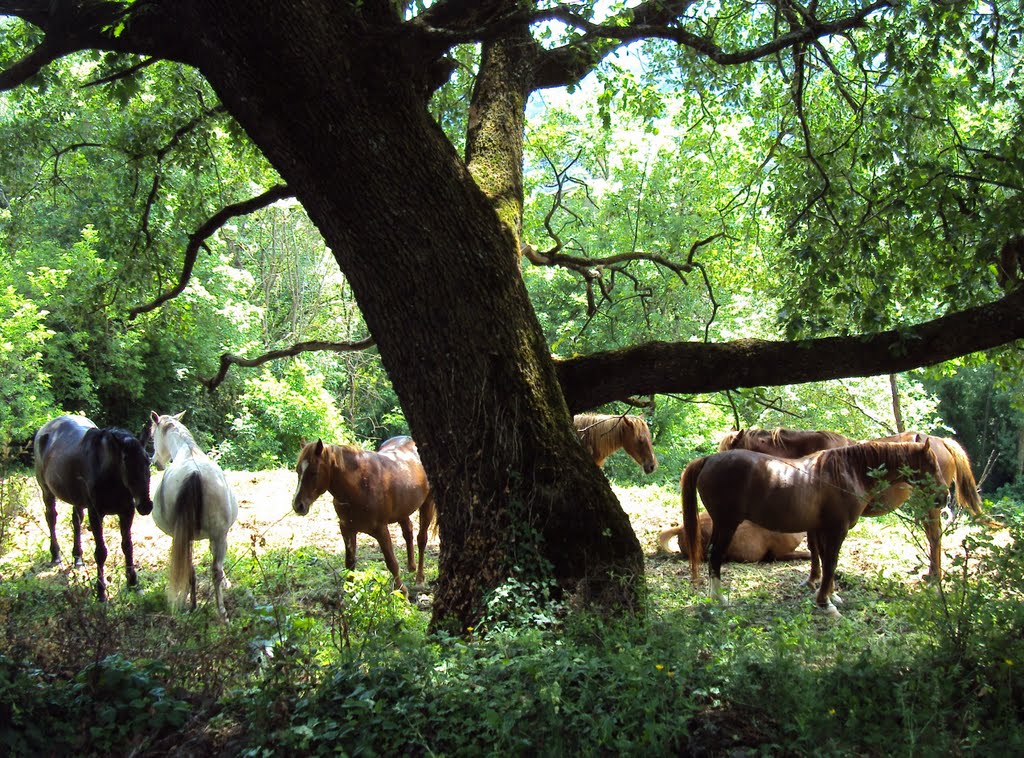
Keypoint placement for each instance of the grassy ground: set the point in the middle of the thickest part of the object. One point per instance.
(305, 646)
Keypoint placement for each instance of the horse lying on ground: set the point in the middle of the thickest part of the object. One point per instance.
(192, 502)
(824, 494)
(750, 544)
(603, 434)
(104, 472)
(371, 490)
(953, 462)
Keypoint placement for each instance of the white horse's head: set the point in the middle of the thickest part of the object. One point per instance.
(169, 435)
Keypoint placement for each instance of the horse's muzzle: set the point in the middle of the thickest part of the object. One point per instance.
(144, 507)
(300, 507)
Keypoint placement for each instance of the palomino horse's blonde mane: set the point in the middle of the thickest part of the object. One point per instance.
(601, 434)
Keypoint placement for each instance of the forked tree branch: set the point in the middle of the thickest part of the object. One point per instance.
(227, 359)
(203, 233)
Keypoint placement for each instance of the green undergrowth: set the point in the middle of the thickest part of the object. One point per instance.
(315, 661)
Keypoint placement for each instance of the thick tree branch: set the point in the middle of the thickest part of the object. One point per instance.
(203, 233)
(569, 64)
(227, 360)
(658, 367)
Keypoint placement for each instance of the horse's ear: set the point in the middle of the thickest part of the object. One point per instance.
(155, 417)
(181, 415)
(319, 446)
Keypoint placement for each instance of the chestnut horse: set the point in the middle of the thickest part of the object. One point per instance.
(102, 471)
(193, 502)
(824, 494)
(603, 434)
(750, 544)
(952, 459)
(371, 490)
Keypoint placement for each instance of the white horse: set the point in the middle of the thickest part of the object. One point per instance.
(192, 502)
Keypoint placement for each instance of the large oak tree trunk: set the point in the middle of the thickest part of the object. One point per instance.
(436, 276)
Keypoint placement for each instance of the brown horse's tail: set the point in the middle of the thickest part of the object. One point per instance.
(966, 487)
(188, 511)
(688, 485)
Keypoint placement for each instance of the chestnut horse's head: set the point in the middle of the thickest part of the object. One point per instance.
(313, 470)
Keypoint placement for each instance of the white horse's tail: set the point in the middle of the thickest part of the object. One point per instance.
(188, 511)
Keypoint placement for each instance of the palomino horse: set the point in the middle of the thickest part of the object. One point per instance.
(102, 471)
(603, 434)
(371, 490)
(192, 502)
(824, 494)
(750, 544)
(952, 459)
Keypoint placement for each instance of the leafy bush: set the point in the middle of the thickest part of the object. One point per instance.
(274, 415)
(109, 707)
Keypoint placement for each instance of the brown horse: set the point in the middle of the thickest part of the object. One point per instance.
(603, 434)
(750, 544)
(952, 459)
(824, 494)
(104, 472)
(371, 490)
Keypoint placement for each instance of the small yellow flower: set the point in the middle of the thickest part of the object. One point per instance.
(671, 673)
(1009, 662)
(659, 666)
(831, 711)
(469, 629)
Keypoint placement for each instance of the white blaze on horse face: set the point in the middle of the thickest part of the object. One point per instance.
(297, 505)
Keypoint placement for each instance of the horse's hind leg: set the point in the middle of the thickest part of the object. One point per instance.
(76, 524)
(219, 549)
(96, 526)
(721, 536)
(406, 525)
(427, 516)
(126, 548)
(192, 586)
(50, 506)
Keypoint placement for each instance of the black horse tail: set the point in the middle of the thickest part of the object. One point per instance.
(688, 485)
(188, 512)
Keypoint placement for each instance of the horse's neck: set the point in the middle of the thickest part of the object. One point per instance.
(344, 463)
(181, 446)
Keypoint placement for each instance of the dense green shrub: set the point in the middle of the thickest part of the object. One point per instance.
(274, 415)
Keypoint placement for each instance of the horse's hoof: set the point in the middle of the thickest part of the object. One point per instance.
(830, 611)
(836, 599)
(79, 563)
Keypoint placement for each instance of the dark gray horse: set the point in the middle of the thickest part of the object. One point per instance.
(102, 471)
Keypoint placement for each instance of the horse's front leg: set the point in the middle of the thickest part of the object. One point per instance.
(933, 531)
(829, 545)
(406, 525)
(50, 506)
(815, 549)
(96, 527)
(76, 527)
(383, 536)
(348, 536)
(127, 549)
